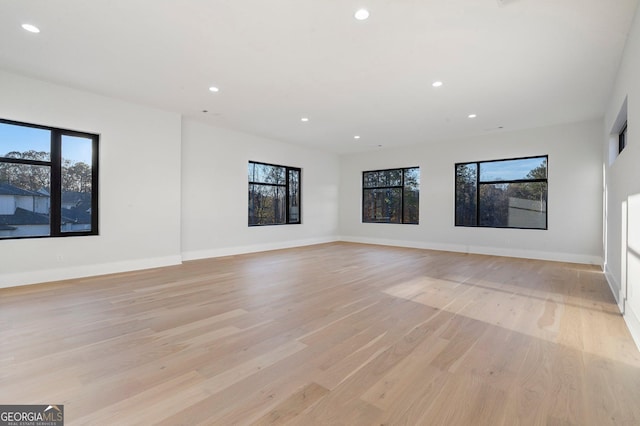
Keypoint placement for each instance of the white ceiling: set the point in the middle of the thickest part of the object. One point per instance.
(515, 63)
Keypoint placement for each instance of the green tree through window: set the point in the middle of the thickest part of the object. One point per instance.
(391, 196)
(274, 194)
(48, 181)
(502, 193)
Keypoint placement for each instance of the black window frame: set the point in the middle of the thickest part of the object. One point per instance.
(478, 183)
(286, 185)
(55, 190)
(401, 187)
(622, 137)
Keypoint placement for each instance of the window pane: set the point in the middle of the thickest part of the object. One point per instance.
(528, 205)
(25, 142)
(530, 168)
(294, 196)
(266, 174)
(391, 196)
(514, 205)
(266, 205)
(382, 178)
(67, 180)
(274, 194)
(622, 138)
(251, 171)
(24, 200)
(370, 179)
(466, 194)
(390, 177)
(411, 195)
(25, 176)
(382, 205)
(77, 181)
(494, 205)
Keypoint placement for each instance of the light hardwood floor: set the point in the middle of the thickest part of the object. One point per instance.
(331, 334)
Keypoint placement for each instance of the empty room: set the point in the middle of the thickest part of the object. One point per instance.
(316, 212)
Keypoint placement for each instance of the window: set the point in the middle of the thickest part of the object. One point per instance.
(391, 196)
(622, 138)
(274, 194)
(502, 193)
(48, 181)
(618, 134)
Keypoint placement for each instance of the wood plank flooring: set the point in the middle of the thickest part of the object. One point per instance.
(333, 334)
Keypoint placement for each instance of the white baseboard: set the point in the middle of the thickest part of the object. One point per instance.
(630, 317)
(231, 251)
(58, 274)
(615, 287)
(494, 251)
(25, 278)
(633, 323)
(48, 275)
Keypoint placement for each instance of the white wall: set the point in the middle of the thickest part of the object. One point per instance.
(144, 189)
(173, 190)
(139, 185)
(574, 199)
(215, 193)
(622, 244)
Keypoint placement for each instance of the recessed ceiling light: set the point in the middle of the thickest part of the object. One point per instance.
(356, 137)
(214, 89)
(31, 28)
(436, 84)
(361, 14)
(305, 119)
(472, 116)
